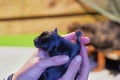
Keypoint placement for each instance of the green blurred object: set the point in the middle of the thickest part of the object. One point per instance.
(17, 40)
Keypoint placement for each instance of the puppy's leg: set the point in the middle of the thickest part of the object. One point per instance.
(78, 44)
(78, 35)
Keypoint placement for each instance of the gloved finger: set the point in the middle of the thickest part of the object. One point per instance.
(69, 37)
(85, 64)
(85, 40)
(53, 61)
(42, 54)
(74, 67)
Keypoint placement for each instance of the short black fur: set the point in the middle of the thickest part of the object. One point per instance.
(54, 44)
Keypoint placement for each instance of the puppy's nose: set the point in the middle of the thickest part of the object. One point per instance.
(36, 43)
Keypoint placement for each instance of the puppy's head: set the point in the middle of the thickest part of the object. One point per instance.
(46, 40)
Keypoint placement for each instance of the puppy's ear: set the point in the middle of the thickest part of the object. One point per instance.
(56, 31)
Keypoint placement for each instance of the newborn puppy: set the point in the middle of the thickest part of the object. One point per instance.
(55, 45)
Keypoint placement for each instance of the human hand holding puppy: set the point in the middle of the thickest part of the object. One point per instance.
(39, 62)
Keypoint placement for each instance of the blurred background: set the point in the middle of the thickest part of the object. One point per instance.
(22, 20)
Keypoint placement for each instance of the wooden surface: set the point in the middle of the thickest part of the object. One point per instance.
(20, 8)
(20, 16)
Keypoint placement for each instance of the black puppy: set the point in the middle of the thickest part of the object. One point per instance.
(54, 44)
